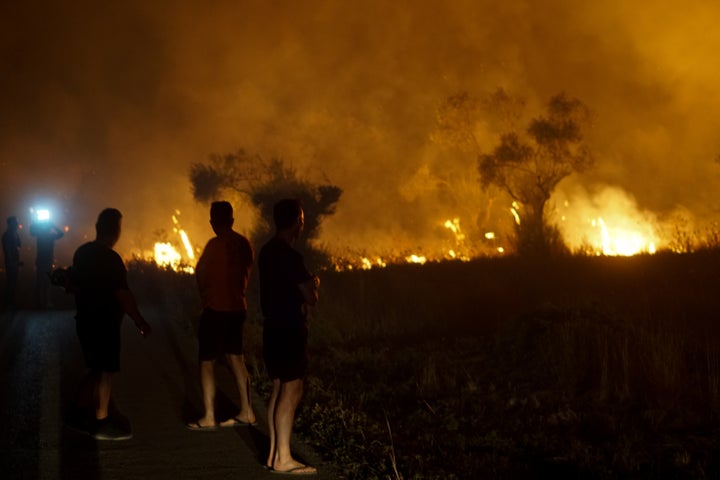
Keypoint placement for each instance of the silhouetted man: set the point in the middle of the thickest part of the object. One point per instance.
(11, 252)
(46, 233)
(287, 290)
(222, 274)
(98, 279)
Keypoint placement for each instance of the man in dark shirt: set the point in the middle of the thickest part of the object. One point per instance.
(287, 291)
(11, 251)
(102, 297)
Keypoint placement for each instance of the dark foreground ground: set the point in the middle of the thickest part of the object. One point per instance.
(158, 388)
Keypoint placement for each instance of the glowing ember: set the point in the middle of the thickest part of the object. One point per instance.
(454, 226)
(456, 249)
(514, 210)
(183, 236)
(367, 264)
(186, 244)
(456, 253)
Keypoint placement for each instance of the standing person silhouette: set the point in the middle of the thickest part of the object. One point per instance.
(98, 279)
(287, 291)
(46, 233)
(11, 252)
(222, 274)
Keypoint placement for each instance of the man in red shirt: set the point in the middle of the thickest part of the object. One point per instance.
(222, 274)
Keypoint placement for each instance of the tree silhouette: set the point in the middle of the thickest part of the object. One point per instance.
(263, 183)
(529, 164)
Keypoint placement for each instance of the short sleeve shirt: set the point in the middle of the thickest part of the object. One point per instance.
(97, 273)
(282, 270)
(222, 272)
(11, 248)
(46, 235)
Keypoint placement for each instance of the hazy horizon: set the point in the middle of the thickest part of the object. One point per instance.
(110, 104)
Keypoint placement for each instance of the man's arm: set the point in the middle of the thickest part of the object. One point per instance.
(57, 232)
(127, 300)
(309, 290)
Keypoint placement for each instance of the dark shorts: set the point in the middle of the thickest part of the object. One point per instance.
(220, 333)
(285, 353)
(100, 343)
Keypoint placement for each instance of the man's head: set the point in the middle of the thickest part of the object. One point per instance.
(108, 226)
(221, 216)
(12, 223)
(288, 216)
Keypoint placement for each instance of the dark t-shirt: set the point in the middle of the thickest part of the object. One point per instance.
(281, 270)
(97, 272)
(46, 235)
(11, 249)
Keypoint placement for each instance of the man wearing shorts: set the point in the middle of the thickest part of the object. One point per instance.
(98, 279)
(222, 274)
(287, 290)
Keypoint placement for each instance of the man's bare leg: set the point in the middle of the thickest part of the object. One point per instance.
(103, 391)
(242, 378)
(207, 382)
(286, 403)
(271, 421)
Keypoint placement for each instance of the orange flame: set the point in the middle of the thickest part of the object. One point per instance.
(165, 254)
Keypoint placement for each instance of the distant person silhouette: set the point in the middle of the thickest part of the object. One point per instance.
(222, 274)
(287, 291)
(98, 279)
(46, 234)
(11, 252)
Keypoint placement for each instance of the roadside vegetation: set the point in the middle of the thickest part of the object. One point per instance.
(575, 367)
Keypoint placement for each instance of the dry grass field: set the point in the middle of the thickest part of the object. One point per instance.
(579, 367)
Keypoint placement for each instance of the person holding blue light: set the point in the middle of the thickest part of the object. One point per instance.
(46, 234)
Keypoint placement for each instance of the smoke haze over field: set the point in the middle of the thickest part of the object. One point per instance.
(108, 104)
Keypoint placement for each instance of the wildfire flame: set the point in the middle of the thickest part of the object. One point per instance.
(623, 242)
(454, 253)
(608, 223)
(421, 259)
(612, 226)
(166, 255)
(367, 264)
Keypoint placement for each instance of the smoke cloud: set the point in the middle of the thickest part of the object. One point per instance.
(108, 104)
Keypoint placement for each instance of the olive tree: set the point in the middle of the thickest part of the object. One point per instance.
(527, 164)
(264, 182)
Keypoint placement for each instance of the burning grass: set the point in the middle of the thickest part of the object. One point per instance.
(589, 367)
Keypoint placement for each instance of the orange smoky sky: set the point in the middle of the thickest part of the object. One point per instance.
(109, 103)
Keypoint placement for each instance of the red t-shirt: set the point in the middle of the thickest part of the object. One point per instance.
(222, 272)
